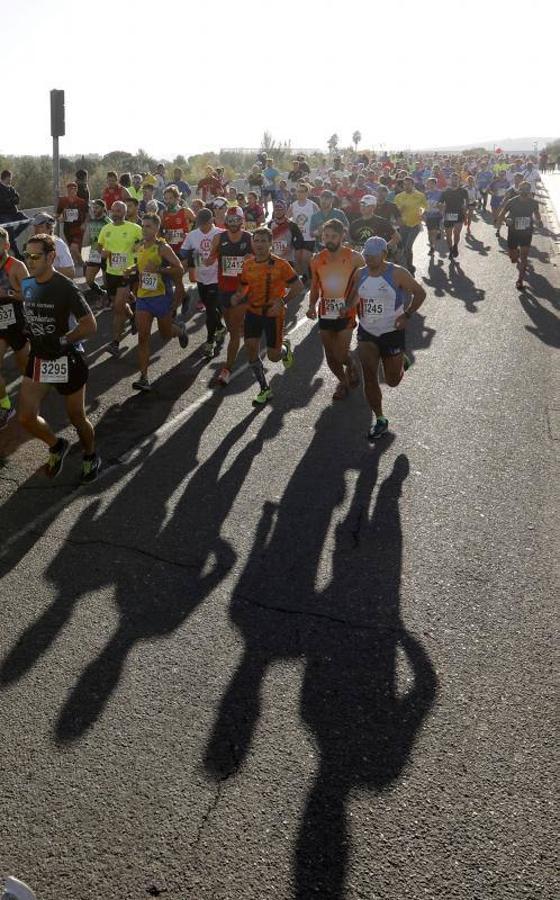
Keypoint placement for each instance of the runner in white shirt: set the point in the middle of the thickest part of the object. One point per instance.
(43, 223)
(301, 212)
(194, 253)
(532, 175)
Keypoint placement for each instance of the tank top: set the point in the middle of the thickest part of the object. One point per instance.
(151, 284)
(231, 255)
(381, 301)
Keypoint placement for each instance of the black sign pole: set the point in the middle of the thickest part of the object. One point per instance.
(57, 129)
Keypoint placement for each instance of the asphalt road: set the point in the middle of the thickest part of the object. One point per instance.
(262, 659)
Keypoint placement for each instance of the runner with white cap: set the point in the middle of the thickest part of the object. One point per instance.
(379, 292)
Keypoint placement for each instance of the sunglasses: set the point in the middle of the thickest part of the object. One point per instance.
(33, 256)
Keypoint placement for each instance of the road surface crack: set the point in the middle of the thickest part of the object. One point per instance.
(220, 785)
(115, 545)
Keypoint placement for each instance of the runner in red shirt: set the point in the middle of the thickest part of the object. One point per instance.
(72, 212)
(176, 222)
(113, 190)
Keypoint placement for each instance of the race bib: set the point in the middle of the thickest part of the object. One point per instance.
(452, 217)
(232, 265)
(51, 371)
(333, 308)
(279, 248)
(7, 316)
(250, 226)
(94, 257)
(522, 223)
(149, 281)
(119, 261)
(71, 215)
(175, 237)
(373, 308)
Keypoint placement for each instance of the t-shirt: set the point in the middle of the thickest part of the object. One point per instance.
(286, 238)
(196, 249)
(111, 195)
(411, 206)
(319, 218)
(381, 300)
(63, 257)
(270, 175)
(73, 212)
(184, 188)
(387, 210)
(253, 215)
(267, 282)
(432, 209)
(120, 241)
(302, 213)
(455, 200)
(374, 226)
(520, 213)
(52, 307)
(93, 229)
(175, 224)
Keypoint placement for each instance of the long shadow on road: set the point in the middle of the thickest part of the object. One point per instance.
(347, 634)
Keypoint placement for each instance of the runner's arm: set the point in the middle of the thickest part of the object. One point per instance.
(404, 279)
(85, 327)
(173, 266)
(213, 255)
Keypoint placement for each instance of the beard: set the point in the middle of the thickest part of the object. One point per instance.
(332, 247)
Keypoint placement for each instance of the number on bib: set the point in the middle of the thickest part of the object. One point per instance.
(174, 237)
(94, 257)
(149, 281)
(452, 217)
(373, 308)
(522, 223)
(7, 316)
(332, 309)
(51, 371)
(70, 215)
(119, 261)
(232, 265)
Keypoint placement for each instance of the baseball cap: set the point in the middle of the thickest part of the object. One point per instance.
(280, 202)
(219, 202)
(150, 181)
(42, 218)
(375, 246)
(234, 212)
(369, 200)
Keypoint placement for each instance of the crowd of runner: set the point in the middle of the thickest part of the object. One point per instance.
(341, 235)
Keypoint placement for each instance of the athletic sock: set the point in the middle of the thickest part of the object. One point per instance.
(258, 372)
(5, 402)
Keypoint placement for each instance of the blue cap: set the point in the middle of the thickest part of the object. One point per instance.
(375, 246)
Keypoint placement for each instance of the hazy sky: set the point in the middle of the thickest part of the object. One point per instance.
(182, 77)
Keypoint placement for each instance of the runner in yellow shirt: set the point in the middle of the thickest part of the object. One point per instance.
(118, 241)
(411, 205)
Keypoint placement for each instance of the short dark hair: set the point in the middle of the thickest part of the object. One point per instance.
(5, 173)
(46, 241)
(335, 225)
(264, 230)
(100, 203)
(132, 200)
(112, 174)
(82, 174)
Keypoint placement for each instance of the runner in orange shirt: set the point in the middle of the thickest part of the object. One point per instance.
(266, 284)
(333, 272)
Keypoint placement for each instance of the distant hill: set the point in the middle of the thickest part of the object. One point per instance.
(510, 145)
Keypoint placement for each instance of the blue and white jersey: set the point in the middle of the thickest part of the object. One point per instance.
(381, 301)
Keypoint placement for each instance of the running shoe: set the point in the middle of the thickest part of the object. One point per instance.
(55, 461)
(262, 397)
(288, 359)
(200, 307)
(14, 889)
(113, 348)
(90, 469)
(183, 337)
(406, 362)
(142, 384)
(224, 376)
(208, 349)
(380, 426)
(5, 416)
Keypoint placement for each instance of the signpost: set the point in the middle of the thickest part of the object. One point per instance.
(57, 130)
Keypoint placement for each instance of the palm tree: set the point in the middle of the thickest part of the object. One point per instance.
(356, 138)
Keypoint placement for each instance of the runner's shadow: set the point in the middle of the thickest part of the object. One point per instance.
(463, 288)
(541, 287)
(419, 336)
(546, 323)
(348, 634)
(478, 246)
